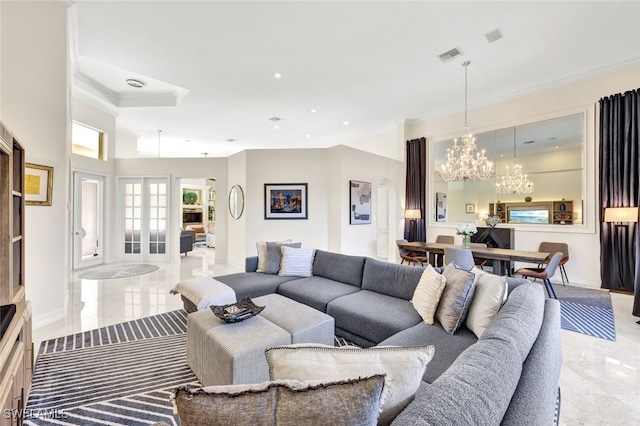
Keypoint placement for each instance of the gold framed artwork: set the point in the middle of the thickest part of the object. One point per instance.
(471, 208)
(38, 184)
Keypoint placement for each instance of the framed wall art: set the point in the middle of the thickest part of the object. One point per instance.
(38, 183)
(359, 202)
(441, 207)
(471, 208)
(285, 201)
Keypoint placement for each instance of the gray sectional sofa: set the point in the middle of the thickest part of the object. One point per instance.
(508, 376)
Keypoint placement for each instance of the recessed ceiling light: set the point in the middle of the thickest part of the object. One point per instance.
(557, 146)
(313, 110)
(277, 75)
(138, 84)
(308, 135)
(346, 123)
(276, 127)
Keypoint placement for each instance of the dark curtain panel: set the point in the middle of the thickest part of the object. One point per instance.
(620, 187)
(415, 187)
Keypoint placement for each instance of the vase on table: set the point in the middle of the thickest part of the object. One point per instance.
(466, 241)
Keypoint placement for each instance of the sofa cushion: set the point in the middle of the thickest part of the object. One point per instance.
(535, 396)
(274, 256)
(339, 267)
(456, 299)
(489, 295)
(390, 279)
(296, 262)
(427, 294)
(352, 401)
(402, 368)
(372, 315)
(447, 346)
(314, 291)
(477, 388)
(253, 284)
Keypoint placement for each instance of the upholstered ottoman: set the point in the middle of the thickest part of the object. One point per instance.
(304, 323)
(221, 353)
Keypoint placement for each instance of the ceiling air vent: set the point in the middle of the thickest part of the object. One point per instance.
(451, 54)
(494, 35)
(276, 119)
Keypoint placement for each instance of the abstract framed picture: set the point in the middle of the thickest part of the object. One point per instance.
(470, 208)
(441, 207)
(38, 184)
(285, 201)
(359, 202)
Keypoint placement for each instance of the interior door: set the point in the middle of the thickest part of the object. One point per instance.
(144, 206)
(88, 223)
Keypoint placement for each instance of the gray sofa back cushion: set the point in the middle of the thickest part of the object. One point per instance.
(478, 387)
(534, 400)
(390, 278)
(339, 267)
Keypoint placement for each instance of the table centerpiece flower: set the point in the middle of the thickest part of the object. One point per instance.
(466, 230)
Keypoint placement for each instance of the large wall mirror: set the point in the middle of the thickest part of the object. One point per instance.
(552, 154)
(236, 201)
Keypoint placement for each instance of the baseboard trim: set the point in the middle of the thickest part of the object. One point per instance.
(50, 317)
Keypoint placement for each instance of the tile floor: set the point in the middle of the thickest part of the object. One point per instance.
(600, 380)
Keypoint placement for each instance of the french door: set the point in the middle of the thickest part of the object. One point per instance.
(143, 216)
(88, 219)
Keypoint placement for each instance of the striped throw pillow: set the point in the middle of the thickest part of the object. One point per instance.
(296, 262)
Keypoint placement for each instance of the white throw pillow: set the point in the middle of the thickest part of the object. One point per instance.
(487, 300)
(261, 248)
(403, 366)
(427, 294)
(296, 262)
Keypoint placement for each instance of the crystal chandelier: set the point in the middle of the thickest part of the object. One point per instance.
(514, 182)
(463, 161)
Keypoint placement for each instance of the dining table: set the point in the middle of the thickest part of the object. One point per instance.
(501, 257)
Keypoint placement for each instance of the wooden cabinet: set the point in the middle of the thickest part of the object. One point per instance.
(558, 212)
(16, 346)
(563, 212)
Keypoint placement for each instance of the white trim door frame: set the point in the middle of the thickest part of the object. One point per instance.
(143, 205)
(87, 234)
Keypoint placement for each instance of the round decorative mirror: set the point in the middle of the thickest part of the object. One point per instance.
(236, 201)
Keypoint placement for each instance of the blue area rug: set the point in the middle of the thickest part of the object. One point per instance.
(586, 311)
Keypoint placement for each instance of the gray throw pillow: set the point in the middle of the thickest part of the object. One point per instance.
(274, 256)
(456, 298)
(283, 402)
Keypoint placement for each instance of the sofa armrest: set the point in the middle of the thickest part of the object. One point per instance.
(251, 264)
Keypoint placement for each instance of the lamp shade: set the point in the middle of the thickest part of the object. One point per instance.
(621, 214)
(412, 214)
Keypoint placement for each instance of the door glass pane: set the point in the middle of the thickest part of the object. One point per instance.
(157, 207)
(132, 222)
(90, 218)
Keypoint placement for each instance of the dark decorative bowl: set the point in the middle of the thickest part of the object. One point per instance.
(238, 311)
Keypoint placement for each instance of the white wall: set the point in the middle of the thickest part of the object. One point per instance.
(386, 144)
(584, 246)
(34, 98)
(237, 242)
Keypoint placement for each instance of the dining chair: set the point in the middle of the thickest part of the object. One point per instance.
(479, 262)
(462, 258)
(409, 256)
(544, 274)
(550, 247)
(438, 258)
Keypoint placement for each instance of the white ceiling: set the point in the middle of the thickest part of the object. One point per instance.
(209, 65)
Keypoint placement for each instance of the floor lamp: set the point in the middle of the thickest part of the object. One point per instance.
(412, 215)
(621, 216)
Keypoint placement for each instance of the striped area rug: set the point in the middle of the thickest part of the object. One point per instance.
(586, 311)
(118, 375)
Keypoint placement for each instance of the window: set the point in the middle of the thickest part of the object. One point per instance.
(87, 141)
